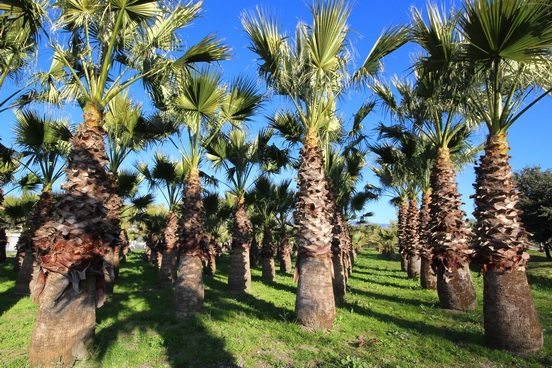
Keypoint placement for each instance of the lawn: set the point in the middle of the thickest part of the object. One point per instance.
(386, 320)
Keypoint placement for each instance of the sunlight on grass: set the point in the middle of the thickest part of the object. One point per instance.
(386, 320)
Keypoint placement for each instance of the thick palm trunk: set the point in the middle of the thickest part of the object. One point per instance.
(211, 266)
(412, 239)
(315, 304)
(193, 242)
(285, 252)
(269, 269)
(449, 238)
(239, 277)
(511, 320)
(254, 254)
(428, 278)
(339, 252)
(70, 284)
(402, 222)
(169, 256)
(111, 255)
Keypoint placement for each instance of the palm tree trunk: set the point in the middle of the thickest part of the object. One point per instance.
(315, 304)
(339, 251)
(3, 245)
(510, 316)
(169, 257)
(412, 238)
(111, 256)
(285, 252)
(449, 238)
(428, 278)
(193, 242)
(254, 253)
(211, 267)
(402, 217)
(269, 269)
(239, 277)
(70, 283)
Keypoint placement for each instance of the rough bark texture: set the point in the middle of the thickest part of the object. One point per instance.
(71, 283)
(56, 337)
(428, 278)
(511, 323)
(315, 305)
(402, 222)
(239, 278)
(511, 320)
(340, 250)
(254, 252)
(113, 216)
(193, 243)
(42, 214)
(211, 266)
(449, 237)
(169, 258)
(285, 253)
(269, 269)
(412, 239)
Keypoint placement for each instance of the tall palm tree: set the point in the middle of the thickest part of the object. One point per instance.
(111, 46)
(203, 104)
(44, 143)
(238, 157)
(168, 177)
(507, 43)
(312, 73)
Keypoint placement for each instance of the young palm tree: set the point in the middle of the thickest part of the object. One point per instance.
(507, 44)
(44, 143)
(111, 46)
(168, 176)
(312, 73)
(237, 158)
(203, 104)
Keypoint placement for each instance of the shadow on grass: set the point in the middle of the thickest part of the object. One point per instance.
(8, 298)
(185, 342)
(463, 338)
(394, 299)
(383, 283)
(367, 273)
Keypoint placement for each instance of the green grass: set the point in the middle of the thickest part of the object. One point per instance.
(385, 321)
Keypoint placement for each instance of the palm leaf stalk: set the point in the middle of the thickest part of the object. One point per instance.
(312, 74)
(508, 44)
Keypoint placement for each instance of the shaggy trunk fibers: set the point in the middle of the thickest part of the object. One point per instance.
(269, 269)
(285, 253)
(511, 320)
(315, 304)
(428, 278)
(167, 270)
(339, 281)
(193, 245)
(412, 240)
(449, 237)
(402, 223)
(239, 278)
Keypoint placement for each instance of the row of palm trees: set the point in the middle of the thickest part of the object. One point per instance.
(464, 77)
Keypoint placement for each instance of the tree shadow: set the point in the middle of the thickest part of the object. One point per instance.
(8, 298)
(186, 342)
(383, 283)
(458, 337)
(394, 299)
(368, 273)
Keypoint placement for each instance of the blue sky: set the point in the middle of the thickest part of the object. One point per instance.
(529, 137)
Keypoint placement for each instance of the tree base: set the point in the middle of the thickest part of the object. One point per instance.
(65, 323)
(428, 278)
(456, 289)
(404, 263)
(339, 280)
(25, 274)
(511, 320)
(269, 269)
(239, 277)
(189, 292)
(414, 266)
(315, 304)
(167, 271)
(285, 264)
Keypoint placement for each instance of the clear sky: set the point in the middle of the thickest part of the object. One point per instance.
(529, 137)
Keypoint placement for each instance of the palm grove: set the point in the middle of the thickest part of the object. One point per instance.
(478, 67)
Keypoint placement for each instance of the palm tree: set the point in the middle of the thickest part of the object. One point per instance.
(111, 46)
(507, 43)
(203, 104)
(217, 213)
(44, 143)
(312, 73)
(168, 177)
(237, 158)
(20, 26)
